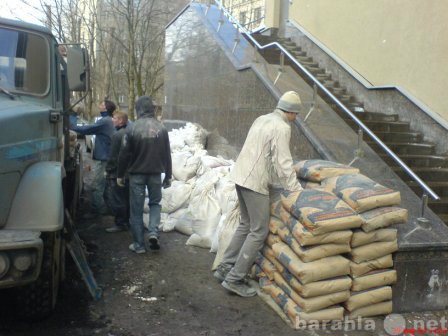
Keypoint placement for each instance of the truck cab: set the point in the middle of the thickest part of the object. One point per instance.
(39, 170)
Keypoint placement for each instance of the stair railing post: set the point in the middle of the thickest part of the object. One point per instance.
(280, 69)
(208, 4)
(221, 20)
(313, 103)
(422, 221)
(359, 152)
(236, 41)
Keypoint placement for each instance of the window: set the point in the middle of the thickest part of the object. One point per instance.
(20, 69)
(243, 17)
(257, 13)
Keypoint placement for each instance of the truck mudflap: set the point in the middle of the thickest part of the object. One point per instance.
(20, 257)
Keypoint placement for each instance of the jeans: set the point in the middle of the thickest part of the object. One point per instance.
(250, 234)
(138, 184)
(98, 185)
(117, 199)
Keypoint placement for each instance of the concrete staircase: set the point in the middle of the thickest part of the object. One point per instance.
(409, 145)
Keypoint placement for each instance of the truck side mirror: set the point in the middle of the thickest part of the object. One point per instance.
(77, 68)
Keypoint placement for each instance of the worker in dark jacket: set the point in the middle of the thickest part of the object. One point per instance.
(116, 197)
(103, 129)
(145, 153)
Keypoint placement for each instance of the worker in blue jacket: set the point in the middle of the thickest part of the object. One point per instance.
(103, 129)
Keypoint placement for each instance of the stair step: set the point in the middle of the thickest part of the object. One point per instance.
(314, 69)
(305, 59)
(383, 126)
(398, 137)
(440, 207)
(338, 91)
(375, 116)
(404, 148)
(425, 173)
(434, 161)
(323, 77)
(298, 53)
(440, 188)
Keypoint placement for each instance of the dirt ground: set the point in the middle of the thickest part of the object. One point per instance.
(169, 292)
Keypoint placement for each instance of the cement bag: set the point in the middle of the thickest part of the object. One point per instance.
(269, 254)
(170, 220)
(175, 197)
(309, 305)
(382, 308)
(225, 234)
(295, 313)
(311, 253)
(383, 217)
(267, 267)
(306, 238)
(372, 251)
(275, 224)
(361, 193)
(317, 288)
(215, 238)
(185, 165)
(312, 271)
(226, 194)
(361, 238)
(271, 239)
(368, 297)
(320, 211)
(317, 170)
(184, 222)
(374, 279)
(276, 208)
(360, 269)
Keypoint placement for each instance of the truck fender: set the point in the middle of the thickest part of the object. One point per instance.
(39, 203)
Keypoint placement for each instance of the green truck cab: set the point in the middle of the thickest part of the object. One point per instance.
(40, 173)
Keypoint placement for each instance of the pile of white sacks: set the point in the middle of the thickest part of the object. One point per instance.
(202, 201)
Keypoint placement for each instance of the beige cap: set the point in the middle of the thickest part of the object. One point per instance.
(290, 102)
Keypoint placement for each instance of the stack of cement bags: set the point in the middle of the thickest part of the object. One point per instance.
(301, 265)
(371, 266)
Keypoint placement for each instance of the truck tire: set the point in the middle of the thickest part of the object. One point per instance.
(38, 299)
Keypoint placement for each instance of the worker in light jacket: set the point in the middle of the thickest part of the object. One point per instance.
(265, 156)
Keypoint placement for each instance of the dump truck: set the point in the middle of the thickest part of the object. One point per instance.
(40, 166)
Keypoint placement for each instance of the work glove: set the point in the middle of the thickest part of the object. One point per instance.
(120, 182)
(166, 183)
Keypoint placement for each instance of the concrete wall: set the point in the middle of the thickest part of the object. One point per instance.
(401, 43)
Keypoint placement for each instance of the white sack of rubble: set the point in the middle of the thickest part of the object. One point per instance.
(226, 232)
(170, 221)
(194, 135)
(208, 162)
(177, 143)
(205, 210)
(184, 221)
(176, 196)
(226, 194)
(185, 164)
(215, 239)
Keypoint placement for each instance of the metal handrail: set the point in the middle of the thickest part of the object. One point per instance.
(335, 100)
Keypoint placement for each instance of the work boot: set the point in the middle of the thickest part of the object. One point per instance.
(116, 228)
(240, 287)
(153, 242)
(137, 249)
(221, 272)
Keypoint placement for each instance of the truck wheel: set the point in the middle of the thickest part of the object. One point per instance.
(38, 300)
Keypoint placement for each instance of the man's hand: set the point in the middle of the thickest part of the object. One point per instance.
(166, 183)
(120, 182)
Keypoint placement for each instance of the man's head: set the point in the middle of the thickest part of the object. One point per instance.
(107, 106)
(120, 118)
(144, 105)
(291, 104)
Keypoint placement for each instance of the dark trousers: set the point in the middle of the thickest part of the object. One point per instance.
(117, 199)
